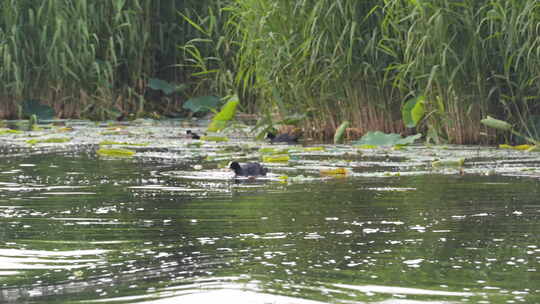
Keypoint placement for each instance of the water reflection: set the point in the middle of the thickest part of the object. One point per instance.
(123, 231)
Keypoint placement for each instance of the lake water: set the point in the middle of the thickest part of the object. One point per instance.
(78, 228)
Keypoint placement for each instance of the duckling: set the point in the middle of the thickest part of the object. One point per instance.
(248, 169)
(193, 135)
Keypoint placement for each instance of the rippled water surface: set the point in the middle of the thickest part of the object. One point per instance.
(77, 228)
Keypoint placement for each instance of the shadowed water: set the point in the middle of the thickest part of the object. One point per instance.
(76, 228)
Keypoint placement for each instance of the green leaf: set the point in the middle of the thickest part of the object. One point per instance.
(201, 103)
(413, 111)
(48, 141)
(115, 152)
(227, 112)
(379, 138)
(340, 132)
(34, 107)
(496, 124)
(166, 87)
(459, 162)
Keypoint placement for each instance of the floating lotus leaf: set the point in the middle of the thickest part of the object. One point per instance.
(518, 147)
(365, 147)
(270, 150)
(194, 144)
(378, 138)
(334, 171)
(48, 141)
(215, 138)
(275, 158)
(109, 142)
(116, 152)
(4, 131)
(449, 163)
(313, 149)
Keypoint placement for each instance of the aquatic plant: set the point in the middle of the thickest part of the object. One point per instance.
(117, 143)
(4, 131)
(439, 66)
(378, 138)
(226, 113)
(459, 162)
(48, 140)
(334, 171)
(505, 126)
(115, 152)
(275, 158)
(340, 132)
(202, 104)
(215, 138)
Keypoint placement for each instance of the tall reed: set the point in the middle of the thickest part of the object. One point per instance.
(92, 57)
(361, 60)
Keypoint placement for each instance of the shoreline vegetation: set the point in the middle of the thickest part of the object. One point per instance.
(448, 64)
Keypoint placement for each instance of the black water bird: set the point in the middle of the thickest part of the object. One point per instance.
(284, 138)
(248, 169)
(193, 135)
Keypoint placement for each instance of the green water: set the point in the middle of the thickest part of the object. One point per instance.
(78, 229)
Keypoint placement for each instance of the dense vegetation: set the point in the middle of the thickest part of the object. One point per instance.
(335, 60)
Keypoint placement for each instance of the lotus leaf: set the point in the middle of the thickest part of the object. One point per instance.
(215, 138)
(270, 150)
(109, 142)
(449, 163)
(496, 124)
(9, 131)
(48, 140)
(164, 86)
(518, 147)
(201, 104)
(34, 107)
(115, 152)
(227, 112)
(413, 111)
(313, 149)
(275, 158)
(334, 171)
(340, 132)
(378, 138)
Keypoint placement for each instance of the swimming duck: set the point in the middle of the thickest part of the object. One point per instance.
(248, 169)
(284, 137)
(193, 135)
